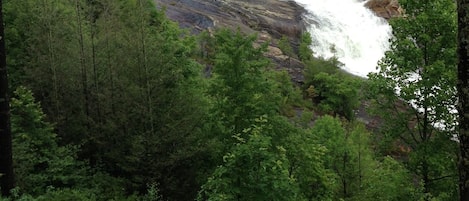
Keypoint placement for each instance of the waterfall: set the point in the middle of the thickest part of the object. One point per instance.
(358, 36)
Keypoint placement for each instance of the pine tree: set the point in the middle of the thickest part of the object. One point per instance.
(39, 161)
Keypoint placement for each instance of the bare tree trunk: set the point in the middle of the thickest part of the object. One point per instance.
(84, 76)
(6, 162)
(145, 66)
(463, 93)
(93, 19)
(110, 65)
(52, 60)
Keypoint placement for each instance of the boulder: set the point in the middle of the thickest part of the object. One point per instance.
(386, 9)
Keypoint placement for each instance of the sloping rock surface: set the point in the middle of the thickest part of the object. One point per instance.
(275, 17)
(272, 19)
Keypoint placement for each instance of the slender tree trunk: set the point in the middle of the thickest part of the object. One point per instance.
(52, 60)
(84, 74)
(110, 68)
(145, 67)
(93, 31)
(6, 162)
(360, 176)
(344, 174)
(463, 93)
(425, 177)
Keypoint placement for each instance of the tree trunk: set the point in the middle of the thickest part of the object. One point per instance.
(147, 92)
(463, 93)
(84, 74)
(6, 161)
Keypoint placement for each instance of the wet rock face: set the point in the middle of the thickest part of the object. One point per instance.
(191, 14)
(275, 17)
(385, 8)
(272, 19)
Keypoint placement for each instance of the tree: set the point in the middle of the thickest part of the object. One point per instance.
(253, 170)
(304, 50)
(338, 157)
(336, 93)
(84, 60)
(46, 58)
(290, 94)
(305, 155)
(463, 95)
(389, 180)
(39, 161)
(239, 85)
(285, 46)
(414, 91)
(6, 161)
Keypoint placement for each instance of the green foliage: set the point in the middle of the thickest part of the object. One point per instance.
(54, 194)
(103, 186)
(121, 83)
(67, 194)
(304, 51)
(358, 162)
(305, 119)
(438, 159)
(239, 85)
(153, 194)
(285, 47)
(336, 94)
(290, 94)
(253, 170)
(118, 80)
(305, 155)
(38, 160)
(414, 92)
(390, 181)
(421, 62)
(329, 132)
(348, 156)
(321, 65)
(334, 91)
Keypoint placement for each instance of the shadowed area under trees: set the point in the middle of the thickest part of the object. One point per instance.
(6, 162)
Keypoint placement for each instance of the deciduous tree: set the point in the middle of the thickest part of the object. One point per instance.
(253, 170)
(416, 91)
(239, 85)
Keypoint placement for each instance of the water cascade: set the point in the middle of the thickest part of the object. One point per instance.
(359, 38)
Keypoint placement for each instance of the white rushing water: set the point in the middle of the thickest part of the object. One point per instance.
(359, 37)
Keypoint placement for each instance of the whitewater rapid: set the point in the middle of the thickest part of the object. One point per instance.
(359, 37)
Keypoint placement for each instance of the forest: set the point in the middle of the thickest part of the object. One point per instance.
(111, 100)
